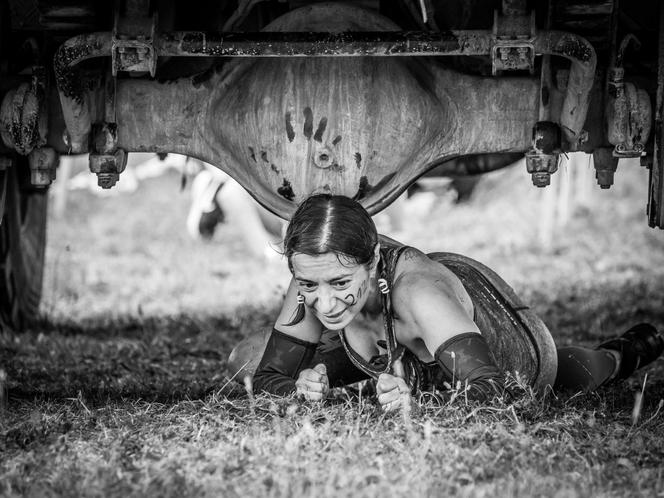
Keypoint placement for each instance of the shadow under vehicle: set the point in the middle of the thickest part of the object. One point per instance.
(292, 97)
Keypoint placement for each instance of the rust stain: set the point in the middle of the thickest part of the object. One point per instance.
(286, 190)
(362, 189)
(358, 159)
(308, 127)
(365, 188)
(290, 133)
(318, 136)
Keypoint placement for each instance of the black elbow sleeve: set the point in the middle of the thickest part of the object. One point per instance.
(284, 357)
(466, 358)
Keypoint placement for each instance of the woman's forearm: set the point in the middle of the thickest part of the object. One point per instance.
(284, 357)
(466, 358)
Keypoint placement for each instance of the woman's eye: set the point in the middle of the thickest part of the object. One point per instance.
(341, 284)
(307, 286)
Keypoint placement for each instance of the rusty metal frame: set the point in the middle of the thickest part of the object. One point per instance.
(349, 44)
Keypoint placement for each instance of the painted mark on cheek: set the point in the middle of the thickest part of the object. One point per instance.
(290, 133)
(350, 299)
(264, 156)
(252, 154)
(320, 130)
(308, 128)
(336, 140)
(362, 290)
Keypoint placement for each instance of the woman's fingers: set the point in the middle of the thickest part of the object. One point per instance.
(315, 374)
(313, 383)
(392, 392)
(388, 382)
(312, 396)
(316, 387)
(389, 396)
(321, 369)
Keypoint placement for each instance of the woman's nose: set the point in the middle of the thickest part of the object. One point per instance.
(326, 301)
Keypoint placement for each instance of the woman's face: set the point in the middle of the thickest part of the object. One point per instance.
(335, 288)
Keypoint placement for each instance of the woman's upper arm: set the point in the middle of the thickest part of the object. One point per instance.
(309, 329)
(431, 310)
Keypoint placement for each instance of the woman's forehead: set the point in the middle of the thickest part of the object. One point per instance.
(324, 265)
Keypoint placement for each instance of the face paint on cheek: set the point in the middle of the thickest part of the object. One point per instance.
(352, 299)
(362, 290)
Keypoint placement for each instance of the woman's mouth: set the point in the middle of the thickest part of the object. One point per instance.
(334, 317)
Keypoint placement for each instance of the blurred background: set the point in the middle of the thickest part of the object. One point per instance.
(127, 254)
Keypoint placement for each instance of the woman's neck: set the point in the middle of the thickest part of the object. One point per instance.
(374, 305)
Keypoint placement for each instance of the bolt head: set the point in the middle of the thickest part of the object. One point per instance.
(40, 177)
(541, 179)
(604, 178)
(107, 180)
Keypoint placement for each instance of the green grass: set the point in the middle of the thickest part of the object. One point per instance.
(120, 389)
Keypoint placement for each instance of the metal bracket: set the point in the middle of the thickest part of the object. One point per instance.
(134, 54)
(629, 118)
(23, 120)
(628, 108)
(513, 47)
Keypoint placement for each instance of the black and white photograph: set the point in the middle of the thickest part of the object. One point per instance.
(305, 248)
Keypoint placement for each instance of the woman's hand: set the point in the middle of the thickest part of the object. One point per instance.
(393, 392)
(313, 383)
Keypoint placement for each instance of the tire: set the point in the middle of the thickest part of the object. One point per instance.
(22, 248)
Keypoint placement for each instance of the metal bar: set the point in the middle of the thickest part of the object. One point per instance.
(347, 44)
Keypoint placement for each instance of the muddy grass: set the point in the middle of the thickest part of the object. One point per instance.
(120, 388)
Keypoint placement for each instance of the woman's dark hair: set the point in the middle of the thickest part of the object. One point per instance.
(331, 223)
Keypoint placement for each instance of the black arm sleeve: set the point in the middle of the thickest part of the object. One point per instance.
(282, 361)
(466, 358)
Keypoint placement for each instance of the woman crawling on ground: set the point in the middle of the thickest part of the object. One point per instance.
(361, 306)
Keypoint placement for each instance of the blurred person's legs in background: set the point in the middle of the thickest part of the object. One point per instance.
(217, 198)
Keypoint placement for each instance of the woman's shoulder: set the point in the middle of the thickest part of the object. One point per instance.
(415, 273)
(390, 246)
